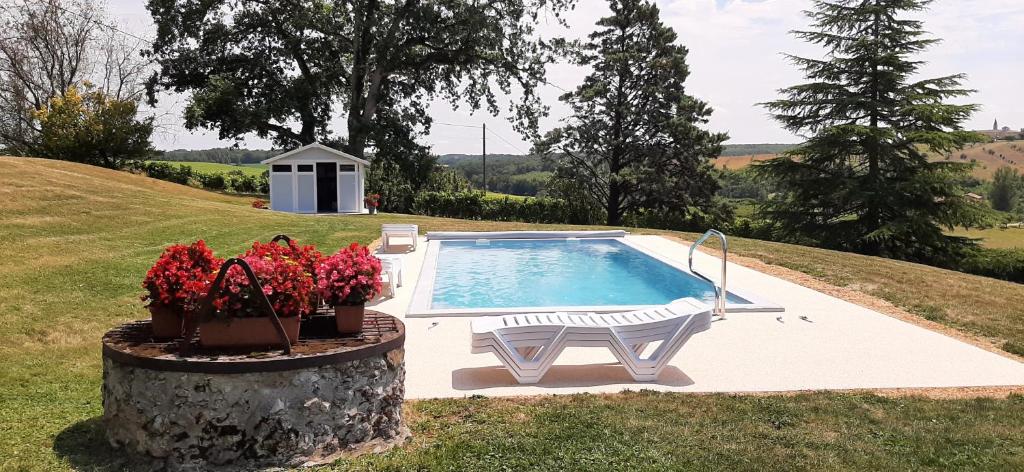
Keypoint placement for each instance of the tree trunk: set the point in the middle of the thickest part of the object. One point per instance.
(613, 206)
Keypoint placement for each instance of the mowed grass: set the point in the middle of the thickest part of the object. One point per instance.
(78, 240)
(997, 238)
(214, 167)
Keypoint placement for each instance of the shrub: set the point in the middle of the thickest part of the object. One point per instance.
(349, 277)
(473, 206)
(181, 277)
(1004, 264)
(211, 180)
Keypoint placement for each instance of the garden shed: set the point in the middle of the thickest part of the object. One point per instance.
(317, 179)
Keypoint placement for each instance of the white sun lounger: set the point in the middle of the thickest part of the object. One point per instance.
(389, 231)
(528, 344)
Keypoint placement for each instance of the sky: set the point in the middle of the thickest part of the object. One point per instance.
(735, 61)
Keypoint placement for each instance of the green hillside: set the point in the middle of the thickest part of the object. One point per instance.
(78, 240)
(211, 167)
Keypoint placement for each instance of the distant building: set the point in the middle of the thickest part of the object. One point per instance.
(975, 197)
(995, 125)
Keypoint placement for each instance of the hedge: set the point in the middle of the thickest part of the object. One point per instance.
(473, 206)
(234, 181)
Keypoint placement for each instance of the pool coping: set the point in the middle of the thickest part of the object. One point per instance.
(422, 297)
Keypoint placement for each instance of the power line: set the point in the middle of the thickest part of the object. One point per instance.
(507, 142)
(513, 146)
(456, 124)
(102, 24)
(555, 86)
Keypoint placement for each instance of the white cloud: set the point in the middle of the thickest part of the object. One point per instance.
(736, 62)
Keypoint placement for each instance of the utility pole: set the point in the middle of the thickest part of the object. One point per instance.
(485, 156)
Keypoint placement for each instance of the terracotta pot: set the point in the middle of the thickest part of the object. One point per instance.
(247, 332)
(166, 321)
(349, 318)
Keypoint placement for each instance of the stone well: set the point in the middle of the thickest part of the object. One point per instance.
(332, 396)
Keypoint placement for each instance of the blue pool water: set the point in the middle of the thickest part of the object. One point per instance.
(541, 273)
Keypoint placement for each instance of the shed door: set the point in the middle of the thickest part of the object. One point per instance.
(281, 189)
(348, 181)
(326, 187)
(305, 189)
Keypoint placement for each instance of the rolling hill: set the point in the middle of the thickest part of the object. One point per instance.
(987, 158)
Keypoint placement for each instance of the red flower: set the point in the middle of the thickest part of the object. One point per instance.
(349, 277)
(259, 204)
(287, 286)
(306, 256)
(181, 277)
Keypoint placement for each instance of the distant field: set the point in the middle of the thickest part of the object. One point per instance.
(252, 169)
(997, 238)
(988, 156)
(739, 162)
(499, 196)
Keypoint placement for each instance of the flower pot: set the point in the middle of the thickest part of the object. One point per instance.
(349, 318)
(166, 321)
(247, 332)
(373, 210)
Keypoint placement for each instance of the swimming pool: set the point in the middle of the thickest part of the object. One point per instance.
(481, 276)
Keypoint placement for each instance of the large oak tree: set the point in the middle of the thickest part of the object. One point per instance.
(634, 140)
(282, 69)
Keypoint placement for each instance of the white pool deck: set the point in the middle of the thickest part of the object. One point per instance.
(840, 345)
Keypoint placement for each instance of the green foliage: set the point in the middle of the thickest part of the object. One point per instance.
(1005, 191)
(750, 149)
(744, 183)
(861, 181)
(402, 169)
(506, 173)
(219, 155)
(720, 215)
(234, 181)
(1004, 264)
(634, 141)
(475, 206)
(279, 69)
(90, 127)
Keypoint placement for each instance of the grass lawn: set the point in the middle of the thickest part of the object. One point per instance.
(78, 240)
(213, 167)
(998, 238)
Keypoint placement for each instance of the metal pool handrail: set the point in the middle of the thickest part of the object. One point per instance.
(720, 292)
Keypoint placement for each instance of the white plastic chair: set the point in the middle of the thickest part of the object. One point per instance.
(390, 231)
(397, 264)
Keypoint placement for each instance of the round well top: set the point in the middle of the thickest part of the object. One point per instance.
(319, 344)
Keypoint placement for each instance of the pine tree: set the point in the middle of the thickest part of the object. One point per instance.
(862, 180)
(634, 140)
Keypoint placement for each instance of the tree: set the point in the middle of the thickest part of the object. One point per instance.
(50, 46)
(1005, 189)
(282, 69)
(862, 180)
(634, 139)
(93, 127)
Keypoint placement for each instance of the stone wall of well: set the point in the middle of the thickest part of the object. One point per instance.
(288, 418)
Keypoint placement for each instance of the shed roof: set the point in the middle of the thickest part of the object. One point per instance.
(343, 155)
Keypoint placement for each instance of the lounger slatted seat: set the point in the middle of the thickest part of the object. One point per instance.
(403, 231)
(529, 344)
